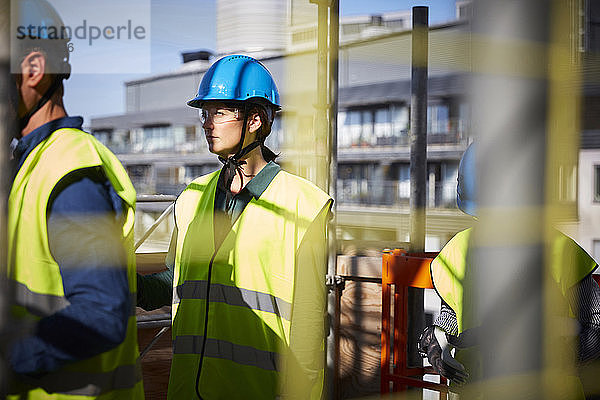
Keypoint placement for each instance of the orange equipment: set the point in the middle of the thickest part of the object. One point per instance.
(399, 271)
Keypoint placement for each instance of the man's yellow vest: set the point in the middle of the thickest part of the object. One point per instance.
(114, 374)
(251, 290)
(570, 264)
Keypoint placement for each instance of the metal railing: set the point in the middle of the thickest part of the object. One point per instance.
(144, 198)
(162, 320)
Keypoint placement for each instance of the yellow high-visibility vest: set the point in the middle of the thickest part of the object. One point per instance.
(569, 265)
(251, 291)
(116, 373)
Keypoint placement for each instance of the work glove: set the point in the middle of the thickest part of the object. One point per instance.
(440, 358)
(468, 338)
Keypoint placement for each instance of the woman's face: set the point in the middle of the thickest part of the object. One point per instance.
(222, 126)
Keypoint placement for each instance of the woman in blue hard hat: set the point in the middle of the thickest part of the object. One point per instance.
(247, 260)
(571, 268)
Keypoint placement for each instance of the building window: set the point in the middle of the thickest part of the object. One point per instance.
(567, 183)
(377, 126)
(383, 125)
(118, 140)
(194, 171)
(366, 121)
(103, 135)
(354, 183)
(190, 133)
(141, 177)
(449, 182)
(349, 128)
(596, 249)
(400, 122)
(437, 119)
(463, 125)
(593, 26)
(404, 181)
(597, 183)
(170, 180)
(169, 175)
(157, 138)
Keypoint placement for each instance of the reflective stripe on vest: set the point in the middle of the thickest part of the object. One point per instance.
(251, 287)
(42, 305)
(122, 377)
(38, 281)
(215, 348)
(233, 296)
(38, 304)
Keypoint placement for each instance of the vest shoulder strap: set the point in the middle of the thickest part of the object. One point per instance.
(448, 271)
(187, 202)
(308, 199)
(67, 150)
(570, 262)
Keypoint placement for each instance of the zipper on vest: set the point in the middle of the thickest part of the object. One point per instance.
(210, 265)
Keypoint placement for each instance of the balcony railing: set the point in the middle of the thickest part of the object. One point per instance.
(388, 193)
(452, 137)
(150, 147)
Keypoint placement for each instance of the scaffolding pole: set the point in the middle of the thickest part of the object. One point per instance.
(326, 127)
(509, 108)
(334, 300)
(418, 169)
(7, 126)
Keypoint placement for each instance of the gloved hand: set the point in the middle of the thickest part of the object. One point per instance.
(468, 338)
(440, 358)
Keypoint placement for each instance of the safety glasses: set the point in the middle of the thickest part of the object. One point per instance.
(219, 115)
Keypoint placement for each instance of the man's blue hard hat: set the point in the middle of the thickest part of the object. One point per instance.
(40, 19)
(237, 78)
(38, 25)
(466, 190)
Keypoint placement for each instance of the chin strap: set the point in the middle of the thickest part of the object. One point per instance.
(232, 165)
(24, 120)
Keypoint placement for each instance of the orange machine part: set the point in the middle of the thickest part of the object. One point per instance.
(401, 270)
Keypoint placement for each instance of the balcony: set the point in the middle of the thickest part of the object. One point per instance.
(390, 193)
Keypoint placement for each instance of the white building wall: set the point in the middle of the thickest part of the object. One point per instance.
(589, 208)
(389, 58)
(251, 26)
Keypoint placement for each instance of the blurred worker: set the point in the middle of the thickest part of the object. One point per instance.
(248, 256)
(571, 268)
(70, 227)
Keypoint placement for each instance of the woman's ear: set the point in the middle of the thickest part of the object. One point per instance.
(254, 122)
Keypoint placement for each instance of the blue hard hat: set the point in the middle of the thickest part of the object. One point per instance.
(38, 25)
(237, 78)
(466, 189)
(41, 20)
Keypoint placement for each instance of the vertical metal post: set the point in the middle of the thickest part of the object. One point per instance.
(6, 128)
(506, 256)
(418, 169)
(326, 127)
(322, 105)
(333, 348)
